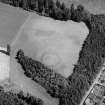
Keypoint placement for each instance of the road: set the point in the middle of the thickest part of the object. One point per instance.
(95, 82)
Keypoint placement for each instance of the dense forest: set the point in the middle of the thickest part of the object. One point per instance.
(10, 98)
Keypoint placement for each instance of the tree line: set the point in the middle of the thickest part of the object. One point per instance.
(10, 98)
(49, 8)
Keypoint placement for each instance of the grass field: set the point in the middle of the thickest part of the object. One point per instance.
(11, 20)
(43, 35)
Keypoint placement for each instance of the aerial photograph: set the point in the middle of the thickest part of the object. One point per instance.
(52, 52)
